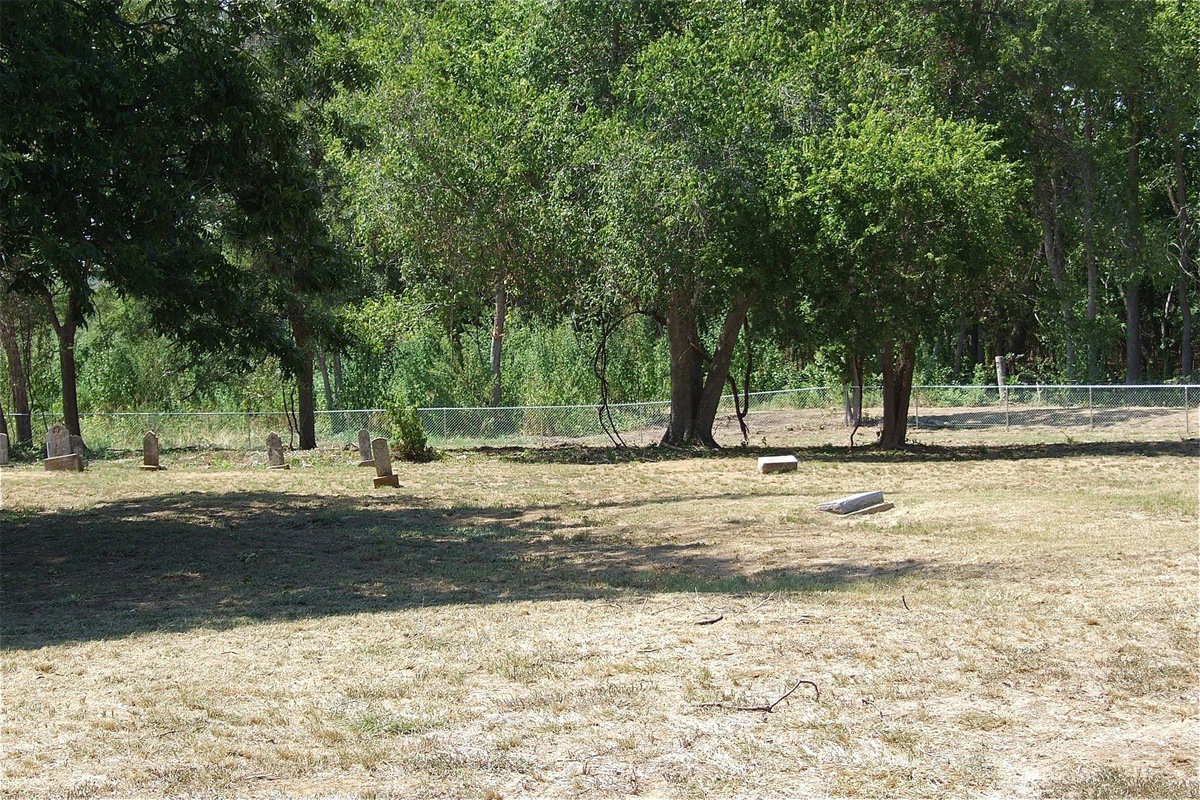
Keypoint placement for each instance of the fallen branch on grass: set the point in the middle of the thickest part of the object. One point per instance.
(770, 708)
(712, 621)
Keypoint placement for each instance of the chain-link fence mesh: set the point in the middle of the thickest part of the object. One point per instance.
(1121, 411)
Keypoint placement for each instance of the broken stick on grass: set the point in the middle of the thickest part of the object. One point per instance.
(770, 708)
(712, 621)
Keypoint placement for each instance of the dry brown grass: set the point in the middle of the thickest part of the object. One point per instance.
(522, 624)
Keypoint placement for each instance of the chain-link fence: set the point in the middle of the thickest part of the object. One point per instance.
(791, 414)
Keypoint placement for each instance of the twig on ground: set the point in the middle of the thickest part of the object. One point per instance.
(712, 621)
(770, 708)
(902, 600)
(761, 603)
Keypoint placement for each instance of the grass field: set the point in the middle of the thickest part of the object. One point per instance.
(528, 624)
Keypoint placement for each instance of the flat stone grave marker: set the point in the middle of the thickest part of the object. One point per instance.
(3, 449)
(383, 464)
(150, 451)
(864, 502)
(769, 464)
(365, 459)
(60, 456)
(275, 453)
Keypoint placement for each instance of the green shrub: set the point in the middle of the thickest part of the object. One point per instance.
(410, 441)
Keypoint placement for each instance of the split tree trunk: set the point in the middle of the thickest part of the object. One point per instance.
(695, 392)
(1056, 259)
(898, 363)
(1089, 251)
(65, 329)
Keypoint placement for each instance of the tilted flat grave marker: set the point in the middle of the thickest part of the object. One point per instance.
(59, 454)
(150, 452)
(769, 464)
(365, 459)
(275, 453)
(383, 464)
(854, 503)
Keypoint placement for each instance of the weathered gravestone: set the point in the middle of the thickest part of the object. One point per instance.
(383, 464)
(863, 503)
(3, 449)
(77, 445)
(275, 452)
(769, 464)
(59, 453)
(365, 459)
(150, 451)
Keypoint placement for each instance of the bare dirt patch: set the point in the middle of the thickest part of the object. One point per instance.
(525, 624)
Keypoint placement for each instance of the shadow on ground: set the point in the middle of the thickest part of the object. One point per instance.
(176, 562)
(575, 454)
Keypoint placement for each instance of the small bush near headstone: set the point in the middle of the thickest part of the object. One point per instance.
(409, 440)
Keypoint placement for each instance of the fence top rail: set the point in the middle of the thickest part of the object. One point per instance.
(591, 407)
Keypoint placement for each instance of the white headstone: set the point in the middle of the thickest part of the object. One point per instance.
(853, 502)
(383, 464)
(769, 464)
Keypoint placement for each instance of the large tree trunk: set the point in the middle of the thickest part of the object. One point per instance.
(683, 343)
(306, 407)
(498, 339)
(1131, 291)
(898, 363)
(695, 395)
(18, 381)
(65, 329)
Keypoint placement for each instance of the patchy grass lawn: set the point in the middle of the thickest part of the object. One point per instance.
(525, 624)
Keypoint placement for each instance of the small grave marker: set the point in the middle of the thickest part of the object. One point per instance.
(3, 449)
(275, 452)
(863, 503)
(365, 459)
(383, 464)
(150, 451)
(769, 464)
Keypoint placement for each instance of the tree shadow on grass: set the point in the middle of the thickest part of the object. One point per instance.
(913, 452)
(181, 561)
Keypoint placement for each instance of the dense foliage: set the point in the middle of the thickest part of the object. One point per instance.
(357, 204)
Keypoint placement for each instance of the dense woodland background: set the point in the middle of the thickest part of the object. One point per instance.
(337, 205)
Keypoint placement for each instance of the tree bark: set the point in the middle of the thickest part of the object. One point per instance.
(898, 363)
(695, 393)
(718, 372)
(1056, 258)
(1180, 205)
(306, 408)
(498, 339)
(65, 329)
(854, 364)
(683, 344)
(1089, 249)
(18, 381)
(1131, 291)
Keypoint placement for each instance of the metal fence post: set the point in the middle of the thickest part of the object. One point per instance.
(1004, 395)
(249, 433)
(1187, 424)
(1091, 411)
(916, 411)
